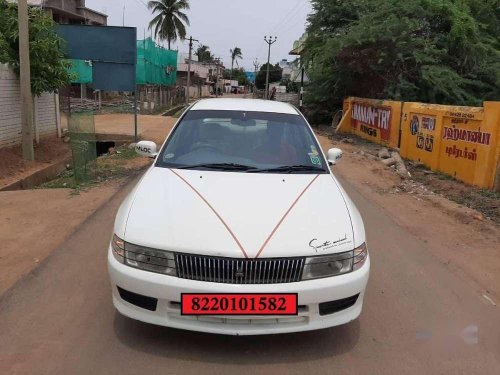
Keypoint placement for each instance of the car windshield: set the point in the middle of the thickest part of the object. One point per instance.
(257, 142)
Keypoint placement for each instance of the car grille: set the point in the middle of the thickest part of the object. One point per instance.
(239, 271)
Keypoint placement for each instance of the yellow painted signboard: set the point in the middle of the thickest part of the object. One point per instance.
(375, 120)
(454, 140)
(463, 142)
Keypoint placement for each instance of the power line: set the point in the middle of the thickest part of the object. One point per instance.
(286, 16)
(293, 18)
(142, 3)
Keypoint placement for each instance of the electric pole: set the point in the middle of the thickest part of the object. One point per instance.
(217, 62)
(301, 101)
(270, 42)
(25, 80)
(256, 66)
(191, 40)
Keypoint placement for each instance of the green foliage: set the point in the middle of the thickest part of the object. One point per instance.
(275, 75)
(237, 74)
(204, 54)
(169, 23)
(438, 51)
(291, 86)
(49, 69)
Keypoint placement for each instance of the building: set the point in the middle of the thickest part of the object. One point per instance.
(204, 76)
(71, 12)
(298, 71)
(288, 67)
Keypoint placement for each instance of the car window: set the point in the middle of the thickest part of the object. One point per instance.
(255, 139)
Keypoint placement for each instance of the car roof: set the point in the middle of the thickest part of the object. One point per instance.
(250, 105)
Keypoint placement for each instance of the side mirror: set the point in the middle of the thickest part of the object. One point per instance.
(334, 155)
(146, 148)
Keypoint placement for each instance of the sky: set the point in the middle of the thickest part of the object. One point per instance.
(224, 24)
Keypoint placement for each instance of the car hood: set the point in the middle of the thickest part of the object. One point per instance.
(239, 214)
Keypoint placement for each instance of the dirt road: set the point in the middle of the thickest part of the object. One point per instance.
(425, 310)
(419, 317)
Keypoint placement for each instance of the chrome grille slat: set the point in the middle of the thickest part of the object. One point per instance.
(285, 273)
(239, 271)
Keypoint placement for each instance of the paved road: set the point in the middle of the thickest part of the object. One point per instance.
(60, 320)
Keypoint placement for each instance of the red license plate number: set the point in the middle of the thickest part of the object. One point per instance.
(239, 304)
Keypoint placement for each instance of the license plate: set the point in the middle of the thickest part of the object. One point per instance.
(239, 304)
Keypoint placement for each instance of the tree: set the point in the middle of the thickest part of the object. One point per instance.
(235, 55)
(239, 75)
(49, 69)
(291, 86)
(438, 51)
(204, 54)
(170, 22)
(275, 75)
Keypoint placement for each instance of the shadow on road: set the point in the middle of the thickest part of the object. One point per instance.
(195, 346)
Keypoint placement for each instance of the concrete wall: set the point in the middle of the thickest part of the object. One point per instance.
(10, 111)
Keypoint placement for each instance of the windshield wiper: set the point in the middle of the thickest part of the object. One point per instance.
(220, 166)
(289, 169)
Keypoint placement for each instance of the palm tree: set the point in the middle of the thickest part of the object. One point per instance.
(204, 54)
(235, 54)
(168, 23)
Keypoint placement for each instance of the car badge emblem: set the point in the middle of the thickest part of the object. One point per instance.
(240, 272)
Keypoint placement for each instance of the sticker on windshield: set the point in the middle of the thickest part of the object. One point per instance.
(314, 150)
(315, 159)
(169, 156)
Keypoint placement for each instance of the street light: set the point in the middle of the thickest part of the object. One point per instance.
(270, 42)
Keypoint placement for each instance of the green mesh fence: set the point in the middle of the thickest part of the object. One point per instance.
(83, 145)
(155, 65)
(81, 71)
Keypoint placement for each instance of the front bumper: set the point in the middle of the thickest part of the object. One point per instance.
(168, 289)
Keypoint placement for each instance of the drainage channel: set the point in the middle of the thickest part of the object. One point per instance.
(103, 143)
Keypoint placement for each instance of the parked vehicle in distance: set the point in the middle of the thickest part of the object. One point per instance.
(239, 227)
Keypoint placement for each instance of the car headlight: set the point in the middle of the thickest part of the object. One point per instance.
(144, 258)
(335, 264)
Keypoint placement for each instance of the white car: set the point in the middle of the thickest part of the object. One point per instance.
(239, 227)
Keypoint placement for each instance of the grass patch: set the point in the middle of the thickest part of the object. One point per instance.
(489, 194)
(444, 177)
(107, 167)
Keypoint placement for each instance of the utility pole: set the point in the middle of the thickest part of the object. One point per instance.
(301, 101)
(25, 79)
(191, 40)
(270, 42)
(256, 66)
(217, 61)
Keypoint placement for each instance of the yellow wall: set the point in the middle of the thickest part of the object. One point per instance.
(375, 120)
(463, 142)
(458, 141)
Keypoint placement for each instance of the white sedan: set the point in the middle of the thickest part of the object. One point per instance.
(239, 227)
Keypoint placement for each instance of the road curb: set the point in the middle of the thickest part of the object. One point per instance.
(39, 177)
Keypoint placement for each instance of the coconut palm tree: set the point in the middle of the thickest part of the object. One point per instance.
(235, 54)
(170, 22)
(204, 54)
